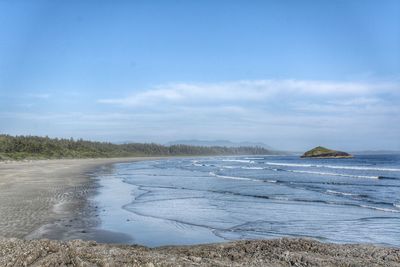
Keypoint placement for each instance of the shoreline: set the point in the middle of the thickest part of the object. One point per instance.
(38, 196)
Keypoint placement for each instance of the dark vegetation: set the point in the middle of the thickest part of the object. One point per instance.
(322, 152)
(34, 147)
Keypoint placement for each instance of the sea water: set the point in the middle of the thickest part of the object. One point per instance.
(215, 199)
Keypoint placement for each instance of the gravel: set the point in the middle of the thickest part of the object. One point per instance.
(277, 252)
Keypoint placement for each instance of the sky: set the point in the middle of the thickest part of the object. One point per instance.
(291, 74)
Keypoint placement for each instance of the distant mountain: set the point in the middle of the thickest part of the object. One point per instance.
(225, 143)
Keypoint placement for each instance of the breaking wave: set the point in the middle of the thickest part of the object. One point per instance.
(341, 193)
(234, 177)
(252, 168)
(241, 178)
(330, 174)
(239, 160)
(333, 167)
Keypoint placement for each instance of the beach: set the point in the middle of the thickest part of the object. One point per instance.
(48, 199)
(36, 194)
(273, 253)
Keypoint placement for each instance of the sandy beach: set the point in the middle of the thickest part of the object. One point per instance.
(34, 194)
(43, 199)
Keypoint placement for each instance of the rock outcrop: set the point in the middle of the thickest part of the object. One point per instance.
(322, 152)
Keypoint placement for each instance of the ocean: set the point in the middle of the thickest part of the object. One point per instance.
(183, 201)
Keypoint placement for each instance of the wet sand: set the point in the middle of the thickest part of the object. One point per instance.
(36, 196)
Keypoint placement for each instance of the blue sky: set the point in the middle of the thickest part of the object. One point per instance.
(291, 74)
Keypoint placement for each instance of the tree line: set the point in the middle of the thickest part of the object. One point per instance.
(36, 147)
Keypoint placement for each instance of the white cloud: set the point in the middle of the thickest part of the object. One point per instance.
(248, 91)
(286, 114)
(277, 112)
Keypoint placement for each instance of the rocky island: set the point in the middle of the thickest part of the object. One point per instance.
(322, 152)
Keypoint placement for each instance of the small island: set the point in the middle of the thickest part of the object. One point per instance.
(322, 152)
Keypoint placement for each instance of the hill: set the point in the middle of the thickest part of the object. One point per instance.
(322, 152)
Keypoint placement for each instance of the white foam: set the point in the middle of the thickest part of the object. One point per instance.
(254, 158)
(231, 167)
(341, 193)
(333, 166)
(252, 168)
(202, 165)
(233, 177)
(380, 209)
(239, 160)
(289, 164)
(360, 168)
(334, 174)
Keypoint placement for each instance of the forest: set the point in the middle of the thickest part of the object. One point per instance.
(35, 147)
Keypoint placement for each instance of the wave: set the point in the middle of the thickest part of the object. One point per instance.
(202, 165)
(252, 168)
(253, 158)
(241, 178)
(380, 209)
(388, 178)
(289, 164)
(233, 177)
(284, 198)
(347, 204)
(341, 193)
(197, 165)
(333, 167)
(242, 167)
(239, 160)
(231, 167)
(330, 173)
(361, 168)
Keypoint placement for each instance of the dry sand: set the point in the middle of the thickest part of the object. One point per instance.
(43, 198)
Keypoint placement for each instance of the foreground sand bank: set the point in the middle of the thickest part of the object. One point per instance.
(277, 252)
(36, 193)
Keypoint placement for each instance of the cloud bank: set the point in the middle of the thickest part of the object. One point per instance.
(286, 114)
(248, 91)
